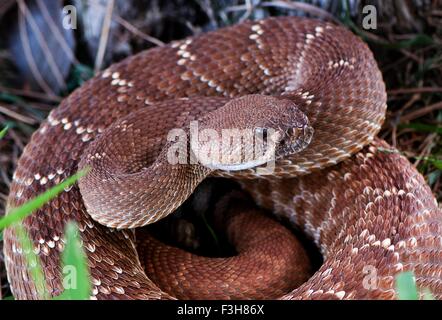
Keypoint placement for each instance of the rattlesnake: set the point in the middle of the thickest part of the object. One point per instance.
(366, 208)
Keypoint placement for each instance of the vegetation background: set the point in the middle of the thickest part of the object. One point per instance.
(41, 62)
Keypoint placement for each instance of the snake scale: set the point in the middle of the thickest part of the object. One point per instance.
(364, 206)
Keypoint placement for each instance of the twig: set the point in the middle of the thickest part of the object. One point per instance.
(414, 98)
(313, 10)
(412, 56)
(207, 8)
(17, 141)
(44, 45)
(415, 90)
(138, 32)
(28, 54)
(249, 10)
(429, 144)
(5, 177)
(5, 6)
(17, 116)
(30, 94)
(130, 27)
(394, 136)
(396, 117)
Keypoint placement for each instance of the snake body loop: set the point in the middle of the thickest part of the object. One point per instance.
(364, 206)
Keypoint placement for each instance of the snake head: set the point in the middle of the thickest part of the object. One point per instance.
(252, 131)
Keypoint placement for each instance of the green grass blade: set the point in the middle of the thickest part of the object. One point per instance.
(3, 132)
(33, 261)
(17, 214)
(76, 278)
(437, 163)
(406, 286)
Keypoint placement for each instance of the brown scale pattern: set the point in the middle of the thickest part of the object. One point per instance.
(259, 270)
(327, 72)
(373, 212)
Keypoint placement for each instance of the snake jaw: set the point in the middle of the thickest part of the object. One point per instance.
(247, 154)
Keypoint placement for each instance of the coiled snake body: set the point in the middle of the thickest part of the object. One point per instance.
(366, 208)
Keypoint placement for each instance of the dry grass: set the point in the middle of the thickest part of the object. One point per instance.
(411, 62)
